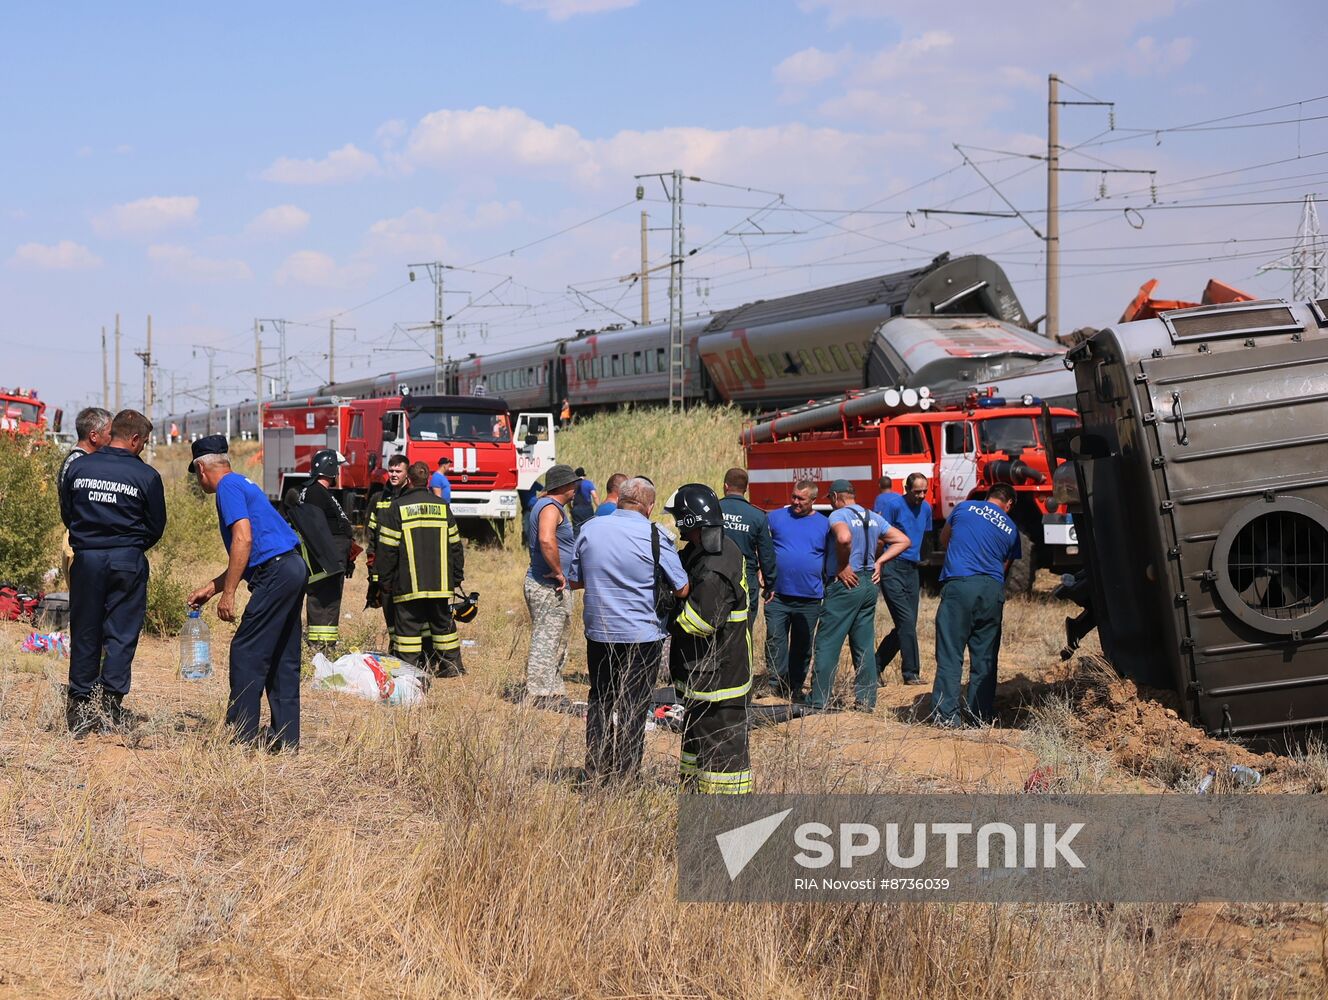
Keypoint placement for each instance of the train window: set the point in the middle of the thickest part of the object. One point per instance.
(617, 364)
(854, 355)
(650, 361)
(822, 359)
(764, 365)
(636, 363)
(838, 356)
(779, 365)
(805, 364)
(660, 360)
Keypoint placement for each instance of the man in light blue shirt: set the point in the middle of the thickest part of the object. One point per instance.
(910, 513)
(614, 562)
(439, 485)
(858, 538)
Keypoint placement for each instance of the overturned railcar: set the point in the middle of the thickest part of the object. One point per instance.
(1202, 469)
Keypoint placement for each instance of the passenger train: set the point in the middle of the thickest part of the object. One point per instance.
(950, 325)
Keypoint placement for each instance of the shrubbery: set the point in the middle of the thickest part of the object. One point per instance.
(189, 553)
(29, 511)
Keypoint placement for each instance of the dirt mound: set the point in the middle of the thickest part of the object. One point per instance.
(1142, 732)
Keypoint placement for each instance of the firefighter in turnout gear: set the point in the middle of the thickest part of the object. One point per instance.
(710, 659)
(396, 482)
(323, 606)
(420, 564)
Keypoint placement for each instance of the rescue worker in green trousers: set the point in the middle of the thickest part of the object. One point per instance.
(710, 656)
(323, 606)
(421, 563)
(858, 537)
(396, 482)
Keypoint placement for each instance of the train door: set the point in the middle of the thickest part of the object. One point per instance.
(558, 380)
(959, 464)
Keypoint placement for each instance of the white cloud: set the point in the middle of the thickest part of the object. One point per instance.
(561, 10)
(349, 163)
(183, 264)
(63, 256)
(390, 132)
(839, 11)
(420, 232)
(147, 216)
(810, 66)
(448, 137)
(1147, 56)
(320, 270)
(280, 220)
(904, 58)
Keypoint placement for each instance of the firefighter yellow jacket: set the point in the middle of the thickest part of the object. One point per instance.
(419, 552)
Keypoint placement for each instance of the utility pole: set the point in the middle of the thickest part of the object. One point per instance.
(331, 351)
(117, 363)
(172, 394)
(211, 353)
(283, 372)
(105, 376)
(1053, 237)
(146, 357)
(677, 346)
(1306, 259)
(258, 379)
(436, 269)
(645, 264)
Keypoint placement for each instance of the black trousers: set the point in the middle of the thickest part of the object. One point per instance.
(622, 675)
(108, 597)
(265, 653)
(323, 610)
(431, 616)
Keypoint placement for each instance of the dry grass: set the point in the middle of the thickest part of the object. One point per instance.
(444, 852)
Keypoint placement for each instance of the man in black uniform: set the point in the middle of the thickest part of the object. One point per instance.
(710, 656)
(396, 482)
(420, 565)
(746, 525)
(116, 511)
(323, 608)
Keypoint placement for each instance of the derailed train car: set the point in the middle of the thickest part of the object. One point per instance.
(1202, 476)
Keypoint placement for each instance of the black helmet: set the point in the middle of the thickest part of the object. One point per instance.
(466, 606)
(695, 505)
(326, 463)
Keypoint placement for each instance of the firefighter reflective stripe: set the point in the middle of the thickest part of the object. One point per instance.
(304, 554)
(738, 616)
(687, 765)
(409, 643)
(447, 641)
(322, 633)
(389, 537)
(692, 623)
(720, 694)
(724, 783)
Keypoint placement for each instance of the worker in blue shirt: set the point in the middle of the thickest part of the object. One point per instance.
(884, 498)
(911, 514)
(857, 538)
(263, 550)
(584, 501)
(800, 535)
(980, 542)
(439, 484)
(611, 487)
(115, 510)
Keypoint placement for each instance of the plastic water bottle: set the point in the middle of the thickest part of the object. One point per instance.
(195, 649)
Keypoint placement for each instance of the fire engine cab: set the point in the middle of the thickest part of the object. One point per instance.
(963, 449)
(23, 414)
(492, 457)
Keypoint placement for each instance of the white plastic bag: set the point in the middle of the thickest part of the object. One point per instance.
(359, 674)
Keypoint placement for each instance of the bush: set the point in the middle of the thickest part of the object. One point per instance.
(167, 594)
(29, 511)
(188, 554)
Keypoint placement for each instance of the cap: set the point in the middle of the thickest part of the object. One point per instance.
(212, 444)
(842, 486)
(558, 477)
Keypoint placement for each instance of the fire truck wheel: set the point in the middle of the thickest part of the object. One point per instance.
(1022, 571)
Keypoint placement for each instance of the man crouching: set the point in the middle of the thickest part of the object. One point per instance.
(710, 658)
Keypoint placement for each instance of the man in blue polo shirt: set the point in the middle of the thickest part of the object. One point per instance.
(614, 560)
(439, 485)
(980, 542)
(263, 550)
(857, 538)
(911, 514)
(800, 535)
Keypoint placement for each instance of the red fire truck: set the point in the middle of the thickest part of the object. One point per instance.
(491, 457)
(23, 414)
(962, 448)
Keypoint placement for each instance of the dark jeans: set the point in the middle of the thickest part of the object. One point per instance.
(265, 653)
(969, 615)
(108, 597)
(899, 587)
(622, 675)
(789, 625)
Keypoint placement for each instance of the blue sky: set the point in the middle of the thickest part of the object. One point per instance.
(210, 165)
